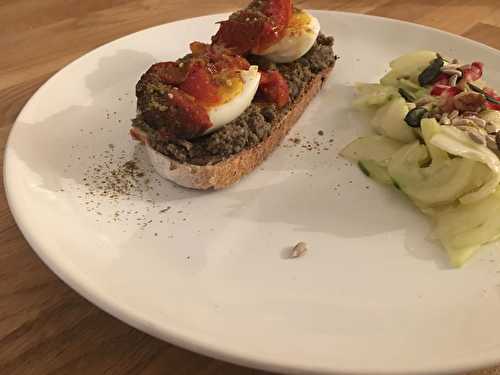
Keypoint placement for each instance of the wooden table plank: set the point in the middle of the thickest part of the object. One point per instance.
(45, 327)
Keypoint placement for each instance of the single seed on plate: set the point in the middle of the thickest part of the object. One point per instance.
(476, 137)
(491, 142)
(453, 80)
(452, 72)
(298, 250)
(453, 114)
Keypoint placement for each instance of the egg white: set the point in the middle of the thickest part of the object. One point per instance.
(295, 43)
(225, 113)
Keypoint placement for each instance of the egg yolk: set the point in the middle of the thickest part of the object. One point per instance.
(230, 85)
(298, 23)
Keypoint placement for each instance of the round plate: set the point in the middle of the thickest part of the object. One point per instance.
(209, 271)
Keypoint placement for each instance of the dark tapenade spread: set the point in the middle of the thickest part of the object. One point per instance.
(255, 124)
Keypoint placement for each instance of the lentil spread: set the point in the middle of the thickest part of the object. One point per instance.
(255, 124)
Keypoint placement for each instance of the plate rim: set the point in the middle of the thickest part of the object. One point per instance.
(171, 334)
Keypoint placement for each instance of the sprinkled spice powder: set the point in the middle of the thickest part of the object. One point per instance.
(118, 188)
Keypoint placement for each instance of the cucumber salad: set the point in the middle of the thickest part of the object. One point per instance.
(438, 140)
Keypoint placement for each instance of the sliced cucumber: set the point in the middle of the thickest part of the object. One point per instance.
(376, 147)
(456, 142)
(441, 182)
(373, 95)
(389, 120)
(463, 228)
(408, 67)
(430, 127)
(375, 170)
(412, 59)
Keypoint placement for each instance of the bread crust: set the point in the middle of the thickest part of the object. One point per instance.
(230, 170)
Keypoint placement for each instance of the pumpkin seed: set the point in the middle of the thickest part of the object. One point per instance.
(408, 96)
(481, 91)
(414, 117)
(430, 73)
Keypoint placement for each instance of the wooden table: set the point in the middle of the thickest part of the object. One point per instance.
(45, 327)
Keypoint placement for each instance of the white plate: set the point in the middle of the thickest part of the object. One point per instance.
(371, 295)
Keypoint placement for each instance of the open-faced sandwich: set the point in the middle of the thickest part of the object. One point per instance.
(215, 114)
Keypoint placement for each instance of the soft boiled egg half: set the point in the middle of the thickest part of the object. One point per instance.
(237, 93)
(300, 35)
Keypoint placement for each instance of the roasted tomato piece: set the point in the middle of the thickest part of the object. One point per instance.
(199, 84)
(475, 71)
(177, 115)
(255, 28)
(241, 32)
(280, 12)
(274, 88)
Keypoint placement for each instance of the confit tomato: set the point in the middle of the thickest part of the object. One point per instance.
(274, 88)
(255, 28)
(199, 84)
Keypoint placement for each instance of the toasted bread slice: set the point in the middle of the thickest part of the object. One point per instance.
(230, 170)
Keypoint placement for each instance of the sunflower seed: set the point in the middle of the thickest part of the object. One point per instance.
(451, 66)
(453, 80)
(462, 122)
(299, 250)
(424, 100)
(491, 143)
(452, 72)
(463, 128)
(444, 119)
(491, 128)
(453, 114)
(476, 137)
(469, 113)
(478, 121)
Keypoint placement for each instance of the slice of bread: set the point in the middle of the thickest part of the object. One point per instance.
(233, 168)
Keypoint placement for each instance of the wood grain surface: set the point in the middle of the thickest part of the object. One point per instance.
(45, 327)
